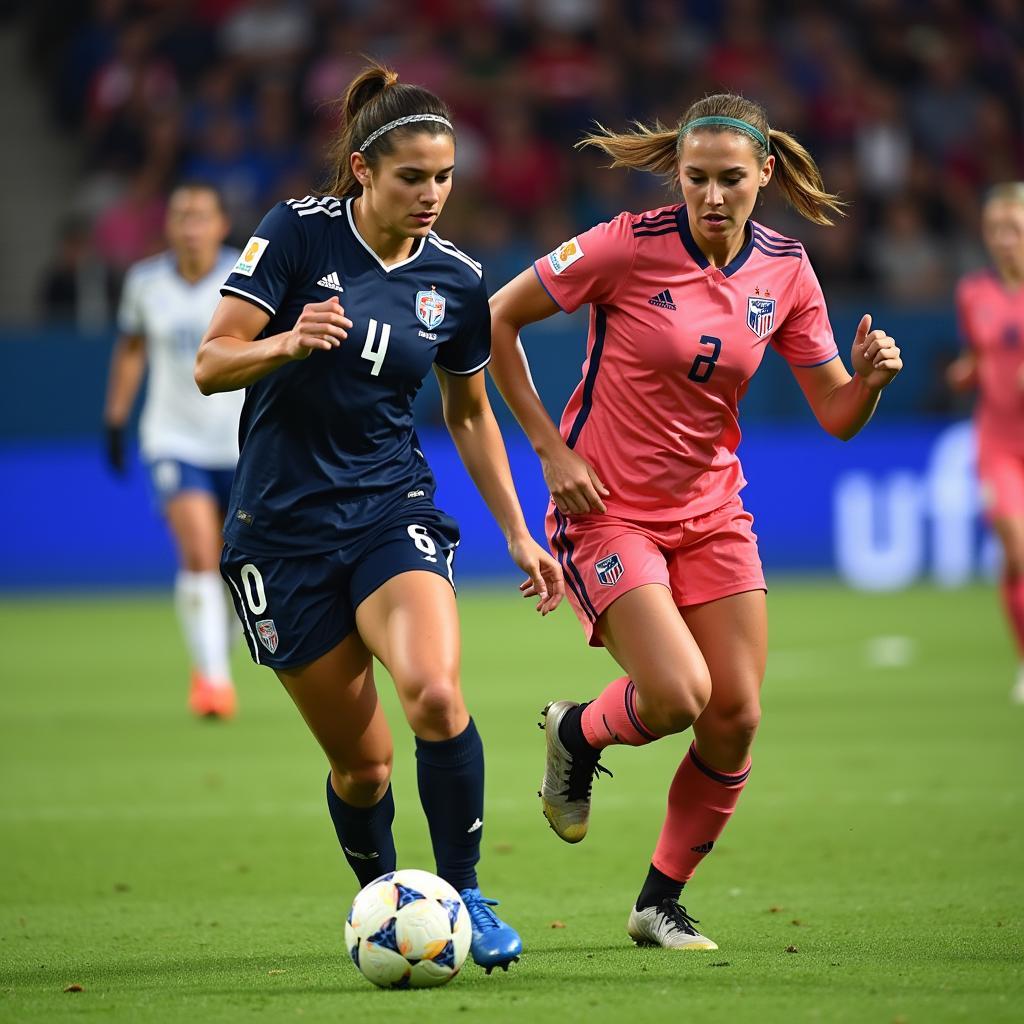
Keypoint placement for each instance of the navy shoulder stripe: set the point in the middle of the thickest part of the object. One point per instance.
(795, 253)
(656, 218)
(767, 236)
(777, 246)
(668, 229)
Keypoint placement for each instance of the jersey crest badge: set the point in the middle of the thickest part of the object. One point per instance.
(760, 315)
(565, 255)
(430, 308)
(609, 570)
(267, 632)
(250, 256)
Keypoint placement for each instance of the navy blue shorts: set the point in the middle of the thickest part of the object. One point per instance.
(169, 477)
(296, 608)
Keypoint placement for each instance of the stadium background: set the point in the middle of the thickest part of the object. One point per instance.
(911, 110)
(159, 870)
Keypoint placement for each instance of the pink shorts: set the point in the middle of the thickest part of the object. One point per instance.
(699, 560)
(1002, 482)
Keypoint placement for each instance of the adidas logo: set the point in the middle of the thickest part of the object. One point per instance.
(331, 281)
(478, 824)
(704, 847)
(663, 300)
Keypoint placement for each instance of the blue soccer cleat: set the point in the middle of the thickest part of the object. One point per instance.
(495, 944)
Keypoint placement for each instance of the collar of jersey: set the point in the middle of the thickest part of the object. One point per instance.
(690, 245)
(362, 241)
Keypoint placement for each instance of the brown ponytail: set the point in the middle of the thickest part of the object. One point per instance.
(373, 99)
(658, 149)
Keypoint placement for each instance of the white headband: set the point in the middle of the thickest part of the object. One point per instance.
(403, 120)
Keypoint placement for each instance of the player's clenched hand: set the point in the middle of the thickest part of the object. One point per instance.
(320, 325)
(545, 574)
(876, 359)
(575, 487)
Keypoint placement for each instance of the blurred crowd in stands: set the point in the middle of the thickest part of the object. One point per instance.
(910, 108)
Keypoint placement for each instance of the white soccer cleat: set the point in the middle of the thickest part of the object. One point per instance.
(667, 925)
(565, 789)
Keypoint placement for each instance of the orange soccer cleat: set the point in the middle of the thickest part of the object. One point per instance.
(209, 699)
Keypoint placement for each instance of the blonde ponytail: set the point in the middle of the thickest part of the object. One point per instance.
(658, 150)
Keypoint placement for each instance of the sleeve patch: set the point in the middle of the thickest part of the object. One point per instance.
(565, 255)
(251, 254)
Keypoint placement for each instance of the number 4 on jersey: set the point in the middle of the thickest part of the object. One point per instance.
(376, 355)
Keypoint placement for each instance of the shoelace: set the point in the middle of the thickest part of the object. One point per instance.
(579, 778)
(679, 918)
(480, 913)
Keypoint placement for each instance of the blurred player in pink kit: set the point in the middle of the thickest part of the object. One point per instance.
(990, 306)
(660, 561)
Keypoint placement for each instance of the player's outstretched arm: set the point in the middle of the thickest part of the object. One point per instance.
(844, 404)
(229, 358)
(470, 421)
(574, 485)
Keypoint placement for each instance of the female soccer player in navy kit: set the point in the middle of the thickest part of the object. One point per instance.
(336, 554)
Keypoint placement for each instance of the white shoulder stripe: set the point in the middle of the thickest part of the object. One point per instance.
(249, 296)
(454, 249)
(316, 204)
(472, 264)
(320, 209)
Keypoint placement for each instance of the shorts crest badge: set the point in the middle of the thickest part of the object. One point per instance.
(267, 632)
(760, 315)
(430, 308)
(609, 570)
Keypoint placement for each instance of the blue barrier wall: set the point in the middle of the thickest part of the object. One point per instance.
(895, 505)
(891, 507)
(57, 378)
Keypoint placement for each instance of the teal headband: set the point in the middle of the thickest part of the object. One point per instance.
(728, 122)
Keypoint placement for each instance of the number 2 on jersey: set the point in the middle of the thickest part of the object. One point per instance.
(704, 365)
(376, 355)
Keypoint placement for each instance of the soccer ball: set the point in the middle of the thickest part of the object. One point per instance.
(408, 929)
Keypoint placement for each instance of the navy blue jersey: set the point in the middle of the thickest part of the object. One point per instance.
(327, 443)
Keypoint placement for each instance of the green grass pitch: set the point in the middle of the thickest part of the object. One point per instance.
(187, 871)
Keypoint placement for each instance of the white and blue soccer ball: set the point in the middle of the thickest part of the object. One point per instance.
(408, 929)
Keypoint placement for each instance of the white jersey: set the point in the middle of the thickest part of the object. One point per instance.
(178, 422)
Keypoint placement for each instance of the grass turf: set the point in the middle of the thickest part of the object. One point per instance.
(181, 871)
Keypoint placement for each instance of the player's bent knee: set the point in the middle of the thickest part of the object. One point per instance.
(734, 727)
(362, 784)
(435, 706)
(676, 711)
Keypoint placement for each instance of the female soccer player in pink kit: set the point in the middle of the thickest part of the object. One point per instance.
(660, 561)
(990, 305)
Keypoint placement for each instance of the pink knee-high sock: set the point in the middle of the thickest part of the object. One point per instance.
(1013, 602)
(612, 717)
(700, 803)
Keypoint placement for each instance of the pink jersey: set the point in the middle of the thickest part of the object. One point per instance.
(673, 344)
(992, 323)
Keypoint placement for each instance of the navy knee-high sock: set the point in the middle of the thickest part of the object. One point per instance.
(451, 783)
(364, 834)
